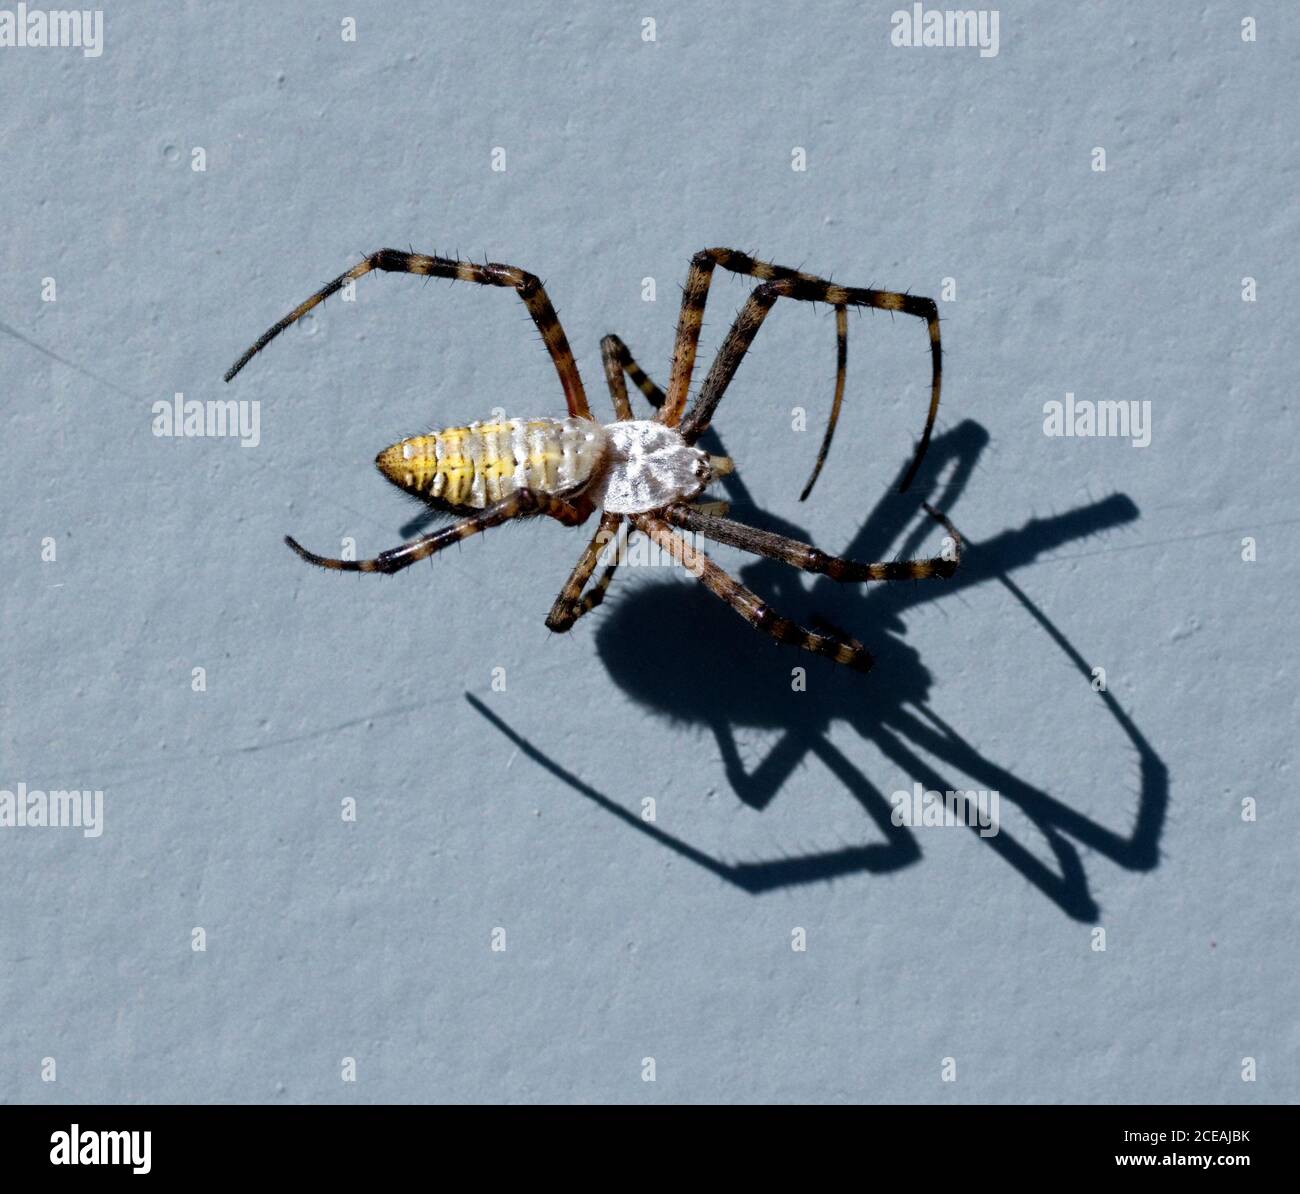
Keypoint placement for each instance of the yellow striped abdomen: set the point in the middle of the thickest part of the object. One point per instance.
(474, 466)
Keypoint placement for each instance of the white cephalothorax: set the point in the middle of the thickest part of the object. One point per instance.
(647, 466)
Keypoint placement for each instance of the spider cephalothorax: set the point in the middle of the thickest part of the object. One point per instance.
(639, 472)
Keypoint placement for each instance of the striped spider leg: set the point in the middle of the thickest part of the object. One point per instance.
(807, 558)
(571, 604)
(747, 603)
(834, 643)
(523, 503)
(528, 287)
(778, 282)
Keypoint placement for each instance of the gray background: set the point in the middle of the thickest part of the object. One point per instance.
(371, 940)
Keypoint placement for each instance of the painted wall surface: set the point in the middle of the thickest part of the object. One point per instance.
(394, 819)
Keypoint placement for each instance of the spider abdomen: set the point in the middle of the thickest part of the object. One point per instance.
(480, 464)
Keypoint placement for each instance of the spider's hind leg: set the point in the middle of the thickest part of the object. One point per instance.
(811, 559)
(748, 604)
(523, 503)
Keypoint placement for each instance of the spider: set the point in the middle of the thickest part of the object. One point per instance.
(642, 472)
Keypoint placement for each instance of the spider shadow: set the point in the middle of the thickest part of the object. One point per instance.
(734, 686)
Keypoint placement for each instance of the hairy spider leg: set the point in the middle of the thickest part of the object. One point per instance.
(526, 285)
(613, 360)
(571, 604)
(777, 281)
(523, 503)
(594, 596)
(841, 371)
(747, 603)
(755, 310)
(619, 360)
(808, 558)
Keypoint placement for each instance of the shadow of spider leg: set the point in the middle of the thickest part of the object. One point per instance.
(747, 705)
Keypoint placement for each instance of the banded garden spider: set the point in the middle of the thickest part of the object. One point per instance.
(639, 472)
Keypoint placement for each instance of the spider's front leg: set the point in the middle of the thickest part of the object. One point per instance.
(778, 281)
(523, 503)
(526, 285)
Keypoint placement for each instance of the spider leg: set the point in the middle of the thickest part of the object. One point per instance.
(748, 604)
(596, 594)
(777, 281)
(522, 503)
(841, 370)
(751, 319)
(695, 295)
(618, 360)
(528, 287)
(573, 512)
(571, 604)
(809, 558)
